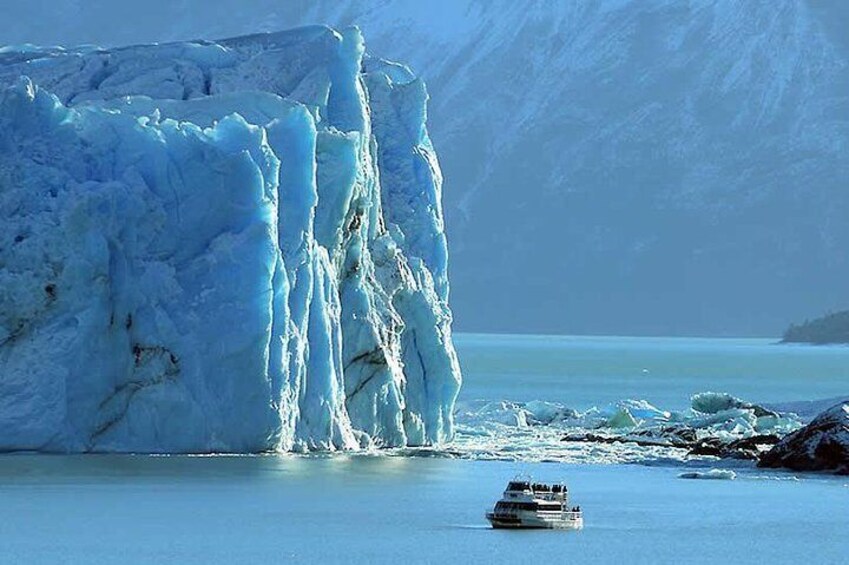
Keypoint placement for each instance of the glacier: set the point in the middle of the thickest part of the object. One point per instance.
(221, 246)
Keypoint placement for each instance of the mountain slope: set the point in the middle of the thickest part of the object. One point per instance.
(618, 167)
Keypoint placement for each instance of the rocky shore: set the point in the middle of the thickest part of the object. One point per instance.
(822, 445)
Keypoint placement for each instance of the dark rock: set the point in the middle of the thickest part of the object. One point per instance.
(683, 437)
(754, 441)
(640, 440)
(822, 445)
(708, 446)
(743, 448)
(749, 447)
(681, 434)
(590, 438)
(677, 436)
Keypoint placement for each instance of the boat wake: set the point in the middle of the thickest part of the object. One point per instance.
(482, 527)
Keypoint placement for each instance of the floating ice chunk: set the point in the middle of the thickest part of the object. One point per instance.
(644, 410)
(713, 402)
(704, 419)
(622, 418)
(480, 414)
(477, 414)
(543, 413)
(623, 414)
(777, 424)
(713, 474)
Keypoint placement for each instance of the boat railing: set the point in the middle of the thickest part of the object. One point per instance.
(511, 513)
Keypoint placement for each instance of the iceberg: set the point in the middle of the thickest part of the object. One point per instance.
(622, 419)
(231, 246)
(716, 402)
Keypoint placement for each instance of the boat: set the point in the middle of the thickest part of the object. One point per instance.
(526, 504)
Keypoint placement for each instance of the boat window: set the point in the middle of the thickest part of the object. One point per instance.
(550, 507)
(529, 506)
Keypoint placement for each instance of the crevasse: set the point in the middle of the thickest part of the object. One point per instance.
(231, 246)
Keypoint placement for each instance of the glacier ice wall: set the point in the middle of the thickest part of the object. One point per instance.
(220, 246)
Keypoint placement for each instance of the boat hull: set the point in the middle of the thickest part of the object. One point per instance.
(533, 523)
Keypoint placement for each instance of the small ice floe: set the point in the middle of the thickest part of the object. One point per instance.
(792, 478)
(482, 414)
(715, 474)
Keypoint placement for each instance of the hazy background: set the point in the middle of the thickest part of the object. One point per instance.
(618, 167)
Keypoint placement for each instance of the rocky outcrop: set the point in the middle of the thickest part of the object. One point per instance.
(822, 445)
(683, 437)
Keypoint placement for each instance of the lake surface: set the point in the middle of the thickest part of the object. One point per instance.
(582, 372)
(107, 509)
(386, 509)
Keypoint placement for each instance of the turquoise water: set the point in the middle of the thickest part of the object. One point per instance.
(389, 510)
(592, 371)
(381, 509)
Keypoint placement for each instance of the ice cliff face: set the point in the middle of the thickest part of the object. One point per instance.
(220, 246)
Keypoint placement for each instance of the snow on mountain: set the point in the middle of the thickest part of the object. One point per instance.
(220, 246)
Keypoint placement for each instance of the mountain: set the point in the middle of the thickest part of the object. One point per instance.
(230, 246)
(627, 166)
(831, 328)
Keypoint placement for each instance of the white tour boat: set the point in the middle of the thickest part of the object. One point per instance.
(526, 504)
